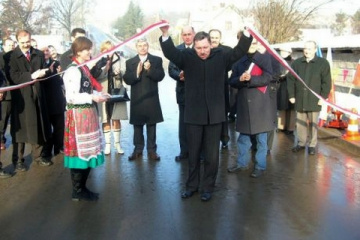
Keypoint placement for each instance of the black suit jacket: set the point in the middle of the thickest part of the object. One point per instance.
(204, 85)
(174, 72)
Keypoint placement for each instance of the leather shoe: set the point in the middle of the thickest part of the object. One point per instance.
(257, 173)
(135, 156)
(206, 196)
(44, 162)
(153, 156)
(312, 151)
(181, 157)
(187, 194)
(20, 166)
(298, 148)
(4, 174)
(236, 169)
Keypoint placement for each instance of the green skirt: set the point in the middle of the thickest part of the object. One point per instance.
(75, 162)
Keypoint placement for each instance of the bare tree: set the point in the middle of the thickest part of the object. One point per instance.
(20, 14)
(279, 20)
(69, 13)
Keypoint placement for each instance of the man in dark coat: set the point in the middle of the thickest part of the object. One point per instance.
(65, 58)
(286, 112)
(29, 122)
(143, 72)
(55, 99)
(187, 34)
(8, 45)
(255, 112)
(204, 69)
(315, 71)
(3, 173)
(215, 37)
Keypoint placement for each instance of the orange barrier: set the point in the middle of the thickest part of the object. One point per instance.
(352, 132)
(356, 80)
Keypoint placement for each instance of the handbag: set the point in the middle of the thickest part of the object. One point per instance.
(118, 95)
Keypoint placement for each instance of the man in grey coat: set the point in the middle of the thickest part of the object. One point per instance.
(143, 73)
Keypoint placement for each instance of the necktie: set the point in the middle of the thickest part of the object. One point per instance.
(28, 56)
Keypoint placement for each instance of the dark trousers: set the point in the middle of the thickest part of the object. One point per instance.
(182, 131)
(203, 139)
(56, 140)
(139, 142)
(225, 132)
(5, 116)
(19, 149)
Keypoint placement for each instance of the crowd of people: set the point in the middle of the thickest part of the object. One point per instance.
(72, 108)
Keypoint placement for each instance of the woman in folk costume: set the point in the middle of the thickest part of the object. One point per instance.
(112, 112)
(82, 147)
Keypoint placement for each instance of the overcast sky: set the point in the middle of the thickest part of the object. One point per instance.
(107, 11)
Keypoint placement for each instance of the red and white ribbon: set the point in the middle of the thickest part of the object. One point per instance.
(148, 29)
(265, 43)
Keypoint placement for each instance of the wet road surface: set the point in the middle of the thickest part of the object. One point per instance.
(300, 197)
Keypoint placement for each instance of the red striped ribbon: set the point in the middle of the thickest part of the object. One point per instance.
(265, 43)
(148, 29)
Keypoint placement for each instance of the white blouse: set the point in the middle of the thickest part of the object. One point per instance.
(72, 82)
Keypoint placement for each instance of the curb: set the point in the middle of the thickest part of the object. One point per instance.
(334, 137)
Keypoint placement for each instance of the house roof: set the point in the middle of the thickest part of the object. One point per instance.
(348, 42)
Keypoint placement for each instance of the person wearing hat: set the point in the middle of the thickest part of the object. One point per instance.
(286, 111)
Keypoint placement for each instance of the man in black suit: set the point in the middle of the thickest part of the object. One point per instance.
(215, 38)
(29, 122)
(3, 173)
(204, 69)
(187, 35)
(8, 45)
(56, 103)
(143, 72)
(65, 59)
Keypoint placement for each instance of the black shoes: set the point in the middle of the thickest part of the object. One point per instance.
(182, 157)
(187, 194)
(153, 156)
(205, 197)
(84, 194)
(298, 148)
(236, 169)
(311, 151)
(44, 162)
(231, 119)
(4, 174)
(135, 156)
(20, 166)
(257, 173)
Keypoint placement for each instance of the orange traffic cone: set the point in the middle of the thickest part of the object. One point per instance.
(352, 132)
(356, 80)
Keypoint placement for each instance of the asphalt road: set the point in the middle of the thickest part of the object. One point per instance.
(300, 197)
